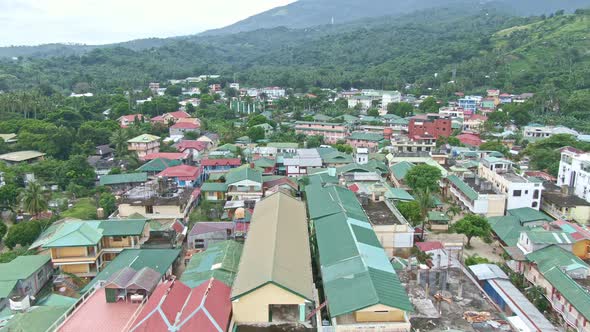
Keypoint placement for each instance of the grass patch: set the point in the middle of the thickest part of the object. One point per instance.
(85, 208)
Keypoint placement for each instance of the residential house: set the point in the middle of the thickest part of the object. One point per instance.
(9, 138)
(332, 132)
(403, 144)
(265, 289)
(561, 204)
(371, 141)
(144, 144)
(214, 191)
(519, 190)
(181, 156)
(474, 123)
(470, 140)
(176, 307)
(475, 194)
(244, 184)
(219, 165)
(210, 138)
(157, 165)
(172, 117)
(267, 165)
(84, 247)
(124, 181)
(334, 158)
(220, 261)
(284, 147)
(158, 263)
(469, 103)
(161, 200)
(574, 172)
(22, 278)
(533, 240)
(434, 125)
(127, 120)
(181, 128)
(535, 132)
(193, 147)
(361, 288)
(183, 175)
(205, 234)
(22, 157)
(301, 163)
(268, 129)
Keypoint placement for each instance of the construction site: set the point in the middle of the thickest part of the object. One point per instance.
(446, 299)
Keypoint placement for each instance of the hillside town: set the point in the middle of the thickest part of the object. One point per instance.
(400, 213)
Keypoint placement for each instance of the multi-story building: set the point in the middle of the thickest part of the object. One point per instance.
(536, 132)
(144, 145)
(519, 190)
(273, 92)
(244, 184)
(452, 112)
(574, 172)
(469, 103)
(84, 247)
(332, 132)
(402, 144)
(476, 194)
(429, 124)
(302, 162)
(364, 102)
(371, 141)
(390, 97)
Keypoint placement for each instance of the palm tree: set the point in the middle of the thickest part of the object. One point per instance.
(119, 140)
(426, 202)
(33, 199)
(454, 210)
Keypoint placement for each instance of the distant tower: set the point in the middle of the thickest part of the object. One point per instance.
(332, 21)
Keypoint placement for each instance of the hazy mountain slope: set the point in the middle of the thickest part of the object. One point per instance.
(307, 13)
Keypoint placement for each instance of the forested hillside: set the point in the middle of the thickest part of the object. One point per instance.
(545, 55)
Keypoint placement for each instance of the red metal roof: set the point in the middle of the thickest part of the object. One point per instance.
(191, 144)
(429, 245)
(469, 139)
(166, 155)
(354, 188)
(200, 309)
(222, 162)
(185, 125)
(131, 117)
(182, 172)
(179, 114)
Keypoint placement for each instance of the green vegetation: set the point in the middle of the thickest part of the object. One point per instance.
(476, 259)
(471, 226)
(423, 177)
(545, 154)
(25, 233)
(85, 209)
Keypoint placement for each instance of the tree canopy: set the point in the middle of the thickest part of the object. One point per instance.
(423, 177)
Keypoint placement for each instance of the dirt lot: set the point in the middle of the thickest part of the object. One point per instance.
(490, 251)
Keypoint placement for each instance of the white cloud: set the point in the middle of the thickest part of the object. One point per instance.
(31, 22)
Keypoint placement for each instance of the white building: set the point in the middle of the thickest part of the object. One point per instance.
(365, 102)
(520, 191)
(452, 112)
(390, 97)
(574, 171)
(273, 92)
(362, 156)
(234, 86)
(304, 160)
(541, 132)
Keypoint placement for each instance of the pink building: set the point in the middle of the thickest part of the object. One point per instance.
(332, 132)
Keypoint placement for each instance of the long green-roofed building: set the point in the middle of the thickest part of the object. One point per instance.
(219, 261)
(358, 279)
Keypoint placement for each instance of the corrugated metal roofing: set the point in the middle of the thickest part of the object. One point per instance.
(158, 165)
(399, 170)
(575, 294)
(277, 248)
(507, 228)
(553, 255)
(213, 187)
(244, 172)
(356, 273)
(106, 180)
(487, 271)
(527, 214)
(463, 187)
(219, 261)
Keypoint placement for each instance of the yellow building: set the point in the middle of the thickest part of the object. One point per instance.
(85, 247)
(144, 145)
(274, 281)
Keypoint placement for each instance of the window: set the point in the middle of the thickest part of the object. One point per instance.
(117, 238)
(199, 243)
(536, 194)
(517, 193)
(149, 209)
(535, 204)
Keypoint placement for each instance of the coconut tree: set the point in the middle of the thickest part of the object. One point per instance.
(425, 202)
(119, 140)
(33, 199)
(454, 210)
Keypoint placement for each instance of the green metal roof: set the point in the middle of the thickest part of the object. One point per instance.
(219, 261)
(145, 138)
(398, 194)
(349, 118)
(106, 180)
(213, 187)
(216, 176)
(265, 162)
(158, 260)
(507, 228)
(322, 117)
(158, 165)
(22, 267)
(75, 234)
(372, 137)
(37, 319)
(400, 169)
(438, 216)
(575, 294)
(527, 214)
(6, 287)
(463, 187)
(280, 145)
(356, 272)
(244, 172)
(553, 256)
(227, 147)
(547, 237)
(122, 227)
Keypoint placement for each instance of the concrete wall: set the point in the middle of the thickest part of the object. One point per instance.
(380, 313)
(76, 268)
(67, 252)
(253, 307)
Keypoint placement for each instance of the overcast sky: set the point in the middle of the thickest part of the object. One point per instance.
(32, 22)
